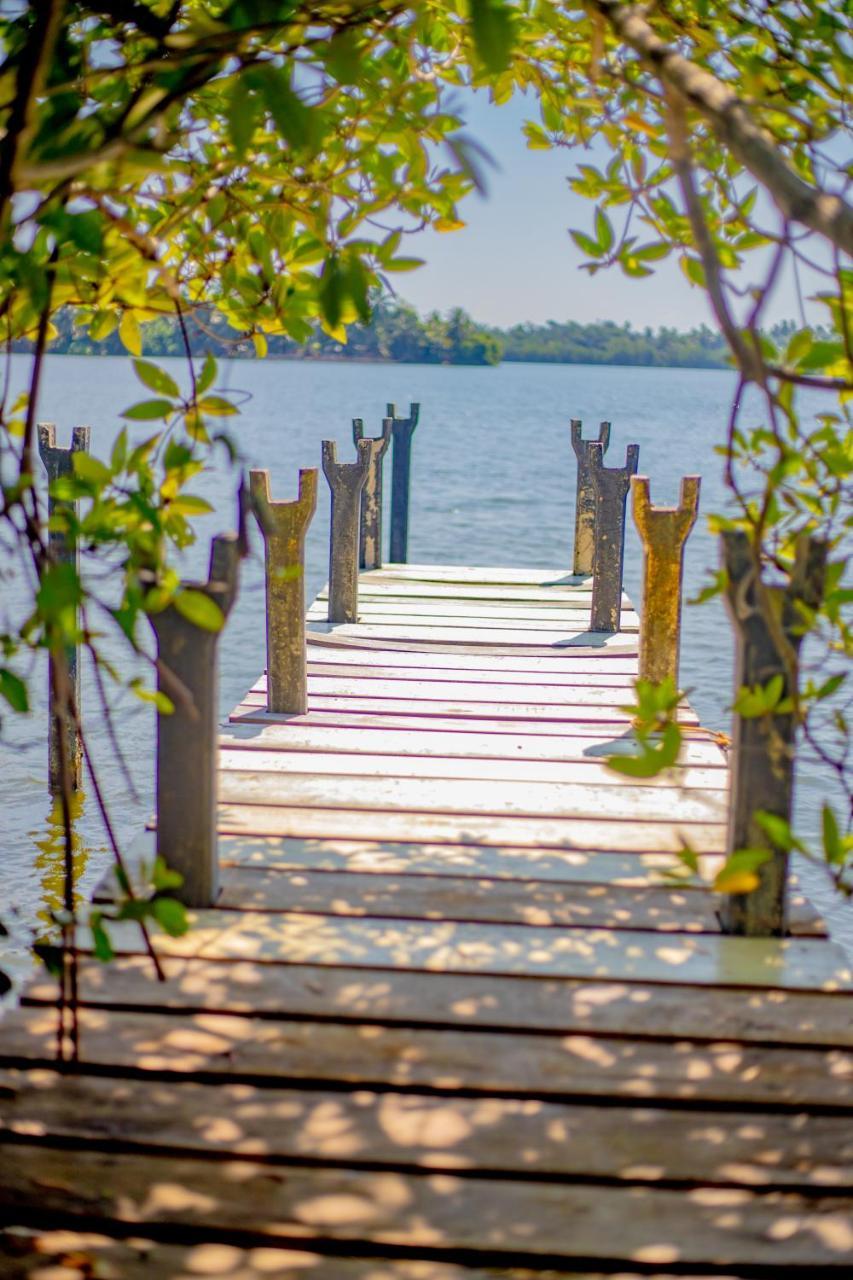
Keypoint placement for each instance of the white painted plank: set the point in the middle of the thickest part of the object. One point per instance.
(483, 575)
(256, 756)
(358, 639)
(255, 713)
(408, 589)
(464, 796)
(454, 621)
(574, 615)
(472, 829)
(519, 747)
(486, 635)
(555, 667)
(415, 688)
(508, 712)
(622, 684)
(804, 964)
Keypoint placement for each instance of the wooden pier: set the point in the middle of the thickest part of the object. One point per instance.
(446, 1021)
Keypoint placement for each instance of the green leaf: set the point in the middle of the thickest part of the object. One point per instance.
(130, 333)
(198, 608)
(207, 376)
(101, 944)
(170, 915)
(243, 113)
(159, 699)
(603, 231)
(118, 454)
(586, 244)
(493, 30)
(187, 504)
(90, 469)
(217, 406)
(13, 689)
(156, 379)
(149, 410)
(294, 121)
(162, 877)
(833, 848)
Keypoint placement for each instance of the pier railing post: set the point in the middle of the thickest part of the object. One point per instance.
(186, 738)
(585, 497)
(284, 526)
(60, 462)
(346, 481)
(402, 430)
(611, 490)
(763, 746)
(370, 537)
(663, 532)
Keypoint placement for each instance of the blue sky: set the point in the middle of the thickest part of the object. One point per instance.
(515, 260)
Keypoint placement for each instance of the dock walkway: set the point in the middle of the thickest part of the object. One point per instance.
(446, 1021)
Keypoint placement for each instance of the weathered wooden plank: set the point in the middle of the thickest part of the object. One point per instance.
(474, 796)
(437, 1211)
(521, 637)
(602, 731)
(483, 575)
(584, 834)
(448, 614)
(460, 746)
(359, 637)
(415, 674)
(368, 1055)
(263, 756)
(416, 689)
(535, 902)
(806, 964)
(410, 1131)
(558, 1006)
(555, 667)
(412, 589)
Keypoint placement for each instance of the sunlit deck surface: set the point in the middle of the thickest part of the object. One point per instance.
(446, 1021)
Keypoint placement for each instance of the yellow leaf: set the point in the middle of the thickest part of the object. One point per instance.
(448, 224)
(130, 333)
(736, 881)
(261, 345)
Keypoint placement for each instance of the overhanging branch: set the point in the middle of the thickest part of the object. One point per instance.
(829, 215)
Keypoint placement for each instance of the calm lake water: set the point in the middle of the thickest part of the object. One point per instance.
(493, 483)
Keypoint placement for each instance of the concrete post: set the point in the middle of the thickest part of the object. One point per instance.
(370, 538)
(585, 497)
(346, 481)
(663, 532)
(611, 490)
(402, 430)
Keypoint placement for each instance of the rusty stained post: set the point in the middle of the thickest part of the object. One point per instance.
(611, 490)
(60, 462)
(763, 747)
(188, 674)
(402, 430)
(346, 481)
(370, 538)
(284, 525)
(585, 497)
(663, 532)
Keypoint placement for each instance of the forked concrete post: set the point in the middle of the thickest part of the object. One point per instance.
(763, 746)
(284, 526)
(402, 430)
(611, 490)
(346, 481)
(585, 496)
(60, 462)
(188, 675)
(663, 532)
(370, 537)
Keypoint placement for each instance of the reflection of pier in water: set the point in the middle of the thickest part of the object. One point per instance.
(446, 1021)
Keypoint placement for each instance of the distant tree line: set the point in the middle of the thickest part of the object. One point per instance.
(397, 333)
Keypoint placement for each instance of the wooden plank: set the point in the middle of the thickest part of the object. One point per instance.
(439, 1212)
(555, 667)
(556, 1006)
(533, 902)
(806, 964)
(261, 755)
(448, 614)
(483, 575)
(70, 1255)
(411, 1131)
(584, 834)
(367, 1055)
(412, 589)
(415, 673)
(472, 796)
(458, 745)
(602, 731)
(360, 638)
(497, 637)
(417, 689)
